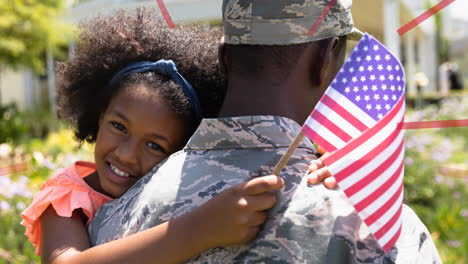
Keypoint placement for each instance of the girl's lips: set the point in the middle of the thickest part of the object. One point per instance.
(121, 180)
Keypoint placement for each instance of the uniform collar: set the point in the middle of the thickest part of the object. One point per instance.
(245, 132)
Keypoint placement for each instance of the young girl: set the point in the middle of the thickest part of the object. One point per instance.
(138, 108)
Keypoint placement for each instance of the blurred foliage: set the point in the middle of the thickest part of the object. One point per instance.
(28, 28)
(17, 126)
(439, 198)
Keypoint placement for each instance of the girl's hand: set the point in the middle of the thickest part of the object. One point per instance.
(234, 216)
(318, 172)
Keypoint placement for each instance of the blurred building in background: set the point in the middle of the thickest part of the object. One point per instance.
(417, 49)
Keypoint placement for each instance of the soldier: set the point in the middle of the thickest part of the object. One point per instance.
(276, 73)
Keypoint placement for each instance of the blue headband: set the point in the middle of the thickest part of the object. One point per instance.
(167, 68)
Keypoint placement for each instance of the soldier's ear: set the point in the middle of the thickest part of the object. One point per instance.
(328, 71)
(222, 56)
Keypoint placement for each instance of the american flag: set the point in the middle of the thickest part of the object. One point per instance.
(357, 120)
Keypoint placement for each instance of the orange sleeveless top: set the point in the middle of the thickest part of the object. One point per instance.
(66, 192)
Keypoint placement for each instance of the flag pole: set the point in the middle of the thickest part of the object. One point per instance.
(285, 158)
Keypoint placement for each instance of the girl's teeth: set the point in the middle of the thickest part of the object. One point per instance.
(118, 172)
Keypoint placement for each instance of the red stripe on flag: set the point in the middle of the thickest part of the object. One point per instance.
(384, 208)
(324, 121)
(319, 140)
(392, 241)
(384, 229)
(381, 190)
(352, 168)
(328, 101)
(377, 171)
(165, 13)
(360, 140)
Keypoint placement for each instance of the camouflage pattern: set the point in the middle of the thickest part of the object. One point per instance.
(283, 22)
(309, 224)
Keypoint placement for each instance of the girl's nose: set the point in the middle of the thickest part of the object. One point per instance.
(127, 153)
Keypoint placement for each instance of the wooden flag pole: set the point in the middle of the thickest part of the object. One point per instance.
(285, 158)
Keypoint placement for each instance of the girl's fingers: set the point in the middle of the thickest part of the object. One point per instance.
(315, 165)
(260, 202)
(263, 184)
(257, 218)
(318, 175)
(330, 183)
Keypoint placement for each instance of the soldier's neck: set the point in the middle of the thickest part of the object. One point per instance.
(291, 99)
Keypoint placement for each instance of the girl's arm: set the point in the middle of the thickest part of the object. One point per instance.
(232, 217)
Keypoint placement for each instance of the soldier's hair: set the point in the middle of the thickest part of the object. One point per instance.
(253, 59)
(107, 44)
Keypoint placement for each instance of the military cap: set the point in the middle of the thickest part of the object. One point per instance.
(285, 22)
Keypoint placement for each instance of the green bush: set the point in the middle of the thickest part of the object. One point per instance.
(18, 126)
(438, 199)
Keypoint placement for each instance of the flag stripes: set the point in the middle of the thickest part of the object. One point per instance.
(357, 121)
(339, 154)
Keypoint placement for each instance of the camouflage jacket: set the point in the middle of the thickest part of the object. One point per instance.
(309, 224)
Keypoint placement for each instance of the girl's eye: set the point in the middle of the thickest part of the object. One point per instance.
(155, 146)
(119, 127)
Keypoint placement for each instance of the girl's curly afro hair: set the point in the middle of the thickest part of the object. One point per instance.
(109, 43)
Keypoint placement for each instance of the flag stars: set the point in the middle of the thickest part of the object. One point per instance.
(398, 78)
(383, 87)
(344, 80)
(356, 89)
(387, 57)
(347, 90)
(394, 97)
(366, 48)
(382, 78)
(363, 78)
(399, 88)
(365, 88)
(361, 68)
(389, 68)
(376, 47)
(380, 67)
(380, 116)
(370, 68)
(397, 68)
(385, 97)
(351, 70)
(387, 106)
(368, 58)
(377, 58)
(372, 77)
(366, 98)
(354, 79)
(358, 98)
(392, 88)
(376, 97)
(358, 59)
(369, 107)
(390, 77)
(378, 107)
(374, 88)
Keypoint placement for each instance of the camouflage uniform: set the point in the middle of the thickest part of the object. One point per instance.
(308, 224)
(285, 22)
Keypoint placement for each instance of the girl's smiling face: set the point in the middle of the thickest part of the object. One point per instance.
(136, 131)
